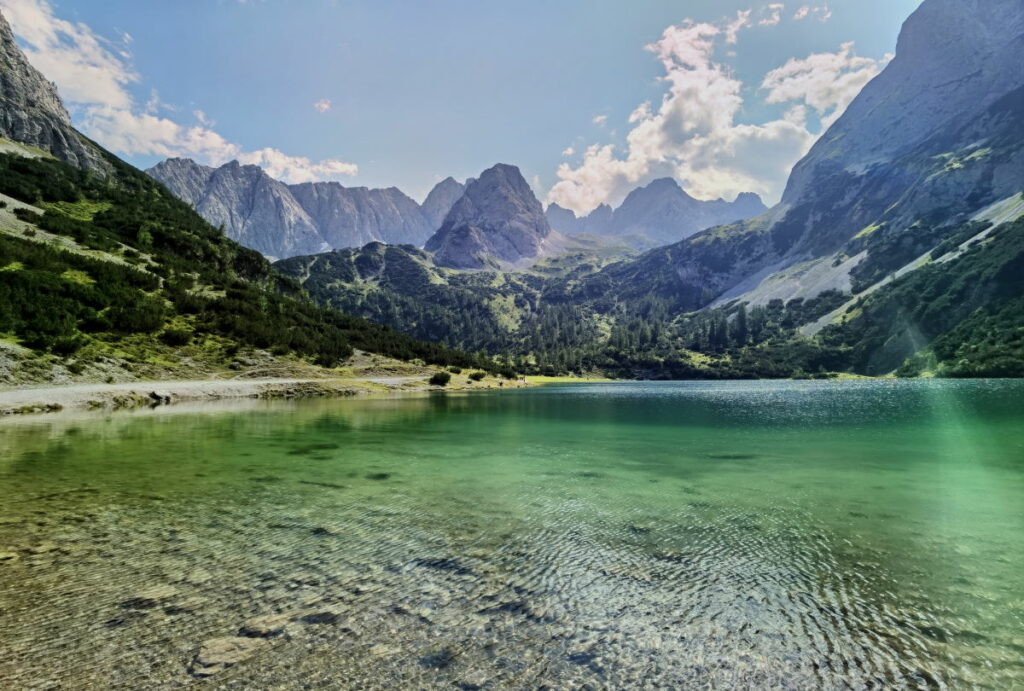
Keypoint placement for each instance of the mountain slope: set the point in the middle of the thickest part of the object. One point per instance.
(877, 260)
(354, 216)
(498, 220)
(933, 139)
(114, 277)
(32, 113)
(282, 220)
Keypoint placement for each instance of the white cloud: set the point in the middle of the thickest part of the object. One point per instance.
(93, 76)
(693, 134)
(821, 13)
(600, 120)
(70, 54)
(772, 14)
(323, 105)
(297, 168)
(568, 151)
(826, 82)
(202, 118)
(742, 21)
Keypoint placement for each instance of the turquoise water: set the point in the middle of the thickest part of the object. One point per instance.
(741, 534)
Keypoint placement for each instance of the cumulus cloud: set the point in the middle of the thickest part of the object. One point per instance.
(70, 54)
(827, 82)
(296, 168)
(732, 29)
(94, 76)
(821, 13)
(323, 105)
(600, 120)
(693, 135)
(568, 151)
(772, 14)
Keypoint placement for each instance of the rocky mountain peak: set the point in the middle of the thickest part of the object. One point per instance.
(953, 58)
(440, 201)
(31, 111)
(664, 212)
(497, 219)
(282, 220)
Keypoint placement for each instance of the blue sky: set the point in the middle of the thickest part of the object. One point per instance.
(421, 90)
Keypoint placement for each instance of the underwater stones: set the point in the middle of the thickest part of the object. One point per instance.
(188, 606)
(9, 557)
(329, 485)
(159, 397)
(473, 681)
(378, 476)
(217, 654)
(382, 650)
(308, 449)
(44, 548)
(439, 659)
(325, 615)
(198, 576)
(150, 598)
(445, 564)
(124, 618)
(265, 626)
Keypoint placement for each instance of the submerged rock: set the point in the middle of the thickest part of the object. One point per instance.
(217, 654)
(324, 615)
(198, 576)
(266, 626)
(150, 598)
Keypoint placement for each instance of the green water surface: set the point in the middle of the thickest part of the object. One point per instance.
(628, 535)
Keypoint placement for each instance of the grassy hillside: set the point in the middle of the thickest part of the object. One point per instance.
(96, 271)
(961, 315)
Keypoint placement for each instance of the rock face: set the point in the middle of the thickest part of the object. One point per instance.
(659, 213)
(252, 208)
(497, 221)
(665, 213)
(32, 113)
(935, 138)
(354, 216)
(440, 201)
(282, 220)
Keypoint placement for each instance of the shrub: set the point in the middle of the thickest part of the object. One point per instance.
(477, 376)
(440, 379)
(176, 337)
(455, 370)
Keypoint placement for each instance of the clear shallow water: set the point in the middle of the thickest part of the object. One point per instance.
(744, 535)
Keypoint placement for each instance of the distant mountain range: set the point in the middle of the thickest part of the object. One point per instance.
(282, 220)
(108, 276)
(659, 213)
(897, 246)
(930, 142)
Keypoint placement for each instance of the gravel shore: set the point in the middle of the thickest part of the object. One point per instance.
(51, 399)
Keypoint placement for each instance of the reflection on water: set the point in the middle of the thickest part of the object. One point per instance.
(733, 534)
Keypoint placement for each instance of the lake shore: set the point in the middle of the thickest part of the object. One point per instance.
(126, 395)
